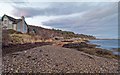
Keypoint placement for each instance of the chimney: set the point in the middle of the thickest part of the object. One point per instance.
(22, 24)
(22, 17)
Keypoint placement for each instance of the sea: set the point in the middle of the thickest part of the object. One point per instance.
(111, 45)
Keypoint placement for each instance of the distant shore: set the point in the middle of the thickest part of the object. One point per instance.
(107, 39)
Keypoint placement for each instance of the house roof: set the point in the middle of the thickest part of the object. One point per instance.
(15, 21)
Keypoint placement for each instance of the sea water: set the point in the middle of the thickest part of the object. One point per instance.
(107, 44)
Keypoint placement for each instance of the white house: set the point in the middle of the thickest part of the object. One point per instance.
(8, 22)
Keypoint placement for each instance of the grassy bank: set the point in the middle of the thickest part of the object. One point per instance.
(23, 38)
(14, 37)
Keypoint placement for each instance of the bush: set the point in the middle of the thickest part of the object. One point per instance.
(11, 31)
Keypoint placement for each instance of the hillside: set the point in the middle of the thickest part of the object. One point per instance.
(50, 33)
(39, 34)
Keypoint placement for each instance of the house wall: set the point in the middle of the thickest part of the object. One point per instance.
(14, 26)
(25, 28)
(7, 23)
(18, 28)
(10, 25)
(22, 27)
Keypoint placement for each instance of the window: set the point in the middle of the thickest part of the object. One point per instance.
(5, 21)
(34, 31)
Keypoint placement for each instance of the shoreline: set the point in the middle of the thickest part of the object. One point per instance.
(83, 46)
(91, 49)
(114, 48)
(107, 39)
(56, 59)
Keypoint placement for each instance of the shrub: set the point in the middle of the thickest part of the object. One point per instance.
(11, 31)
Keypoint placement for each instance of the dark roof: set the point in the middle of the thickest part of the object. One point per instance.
(15, 21)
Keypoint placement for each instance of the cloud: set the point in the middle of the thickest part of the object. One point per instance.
(82, 17)
(102, 19)
(88, 18)
(53, 9)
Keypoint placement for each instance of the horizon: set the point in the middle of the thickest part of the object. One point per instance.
(99, 19)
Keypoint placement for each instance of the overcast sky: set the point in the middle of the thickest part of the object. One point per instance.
(93, 18)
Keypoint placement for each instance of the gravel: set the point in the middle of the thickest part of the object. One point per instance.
(54, 59)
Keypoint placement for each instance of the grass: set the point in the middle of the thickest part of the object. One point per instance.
(13, 37)
(24, 38)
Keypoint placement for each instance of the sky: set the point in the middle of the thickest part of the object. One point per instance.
(99, 19)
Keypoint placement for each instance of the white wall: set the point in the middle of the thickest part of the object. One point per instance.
(8, 23)
(24, 27)
(14, 26)
(7, 20)
(19, 27)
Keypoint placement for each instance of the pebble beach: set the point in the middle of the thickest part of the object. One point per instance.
(55, 59)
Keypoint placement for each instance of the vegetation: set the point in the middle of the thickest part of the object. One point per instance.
(68, 34)
(91, 49)
(14, 37)
(11, 31)
(38, 34)
(51, 33)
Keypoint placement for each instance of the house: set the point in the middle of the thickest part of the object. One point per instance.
(8, 22)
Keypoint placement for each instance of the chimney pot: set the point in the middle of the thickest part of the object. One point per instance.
(22, 17)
